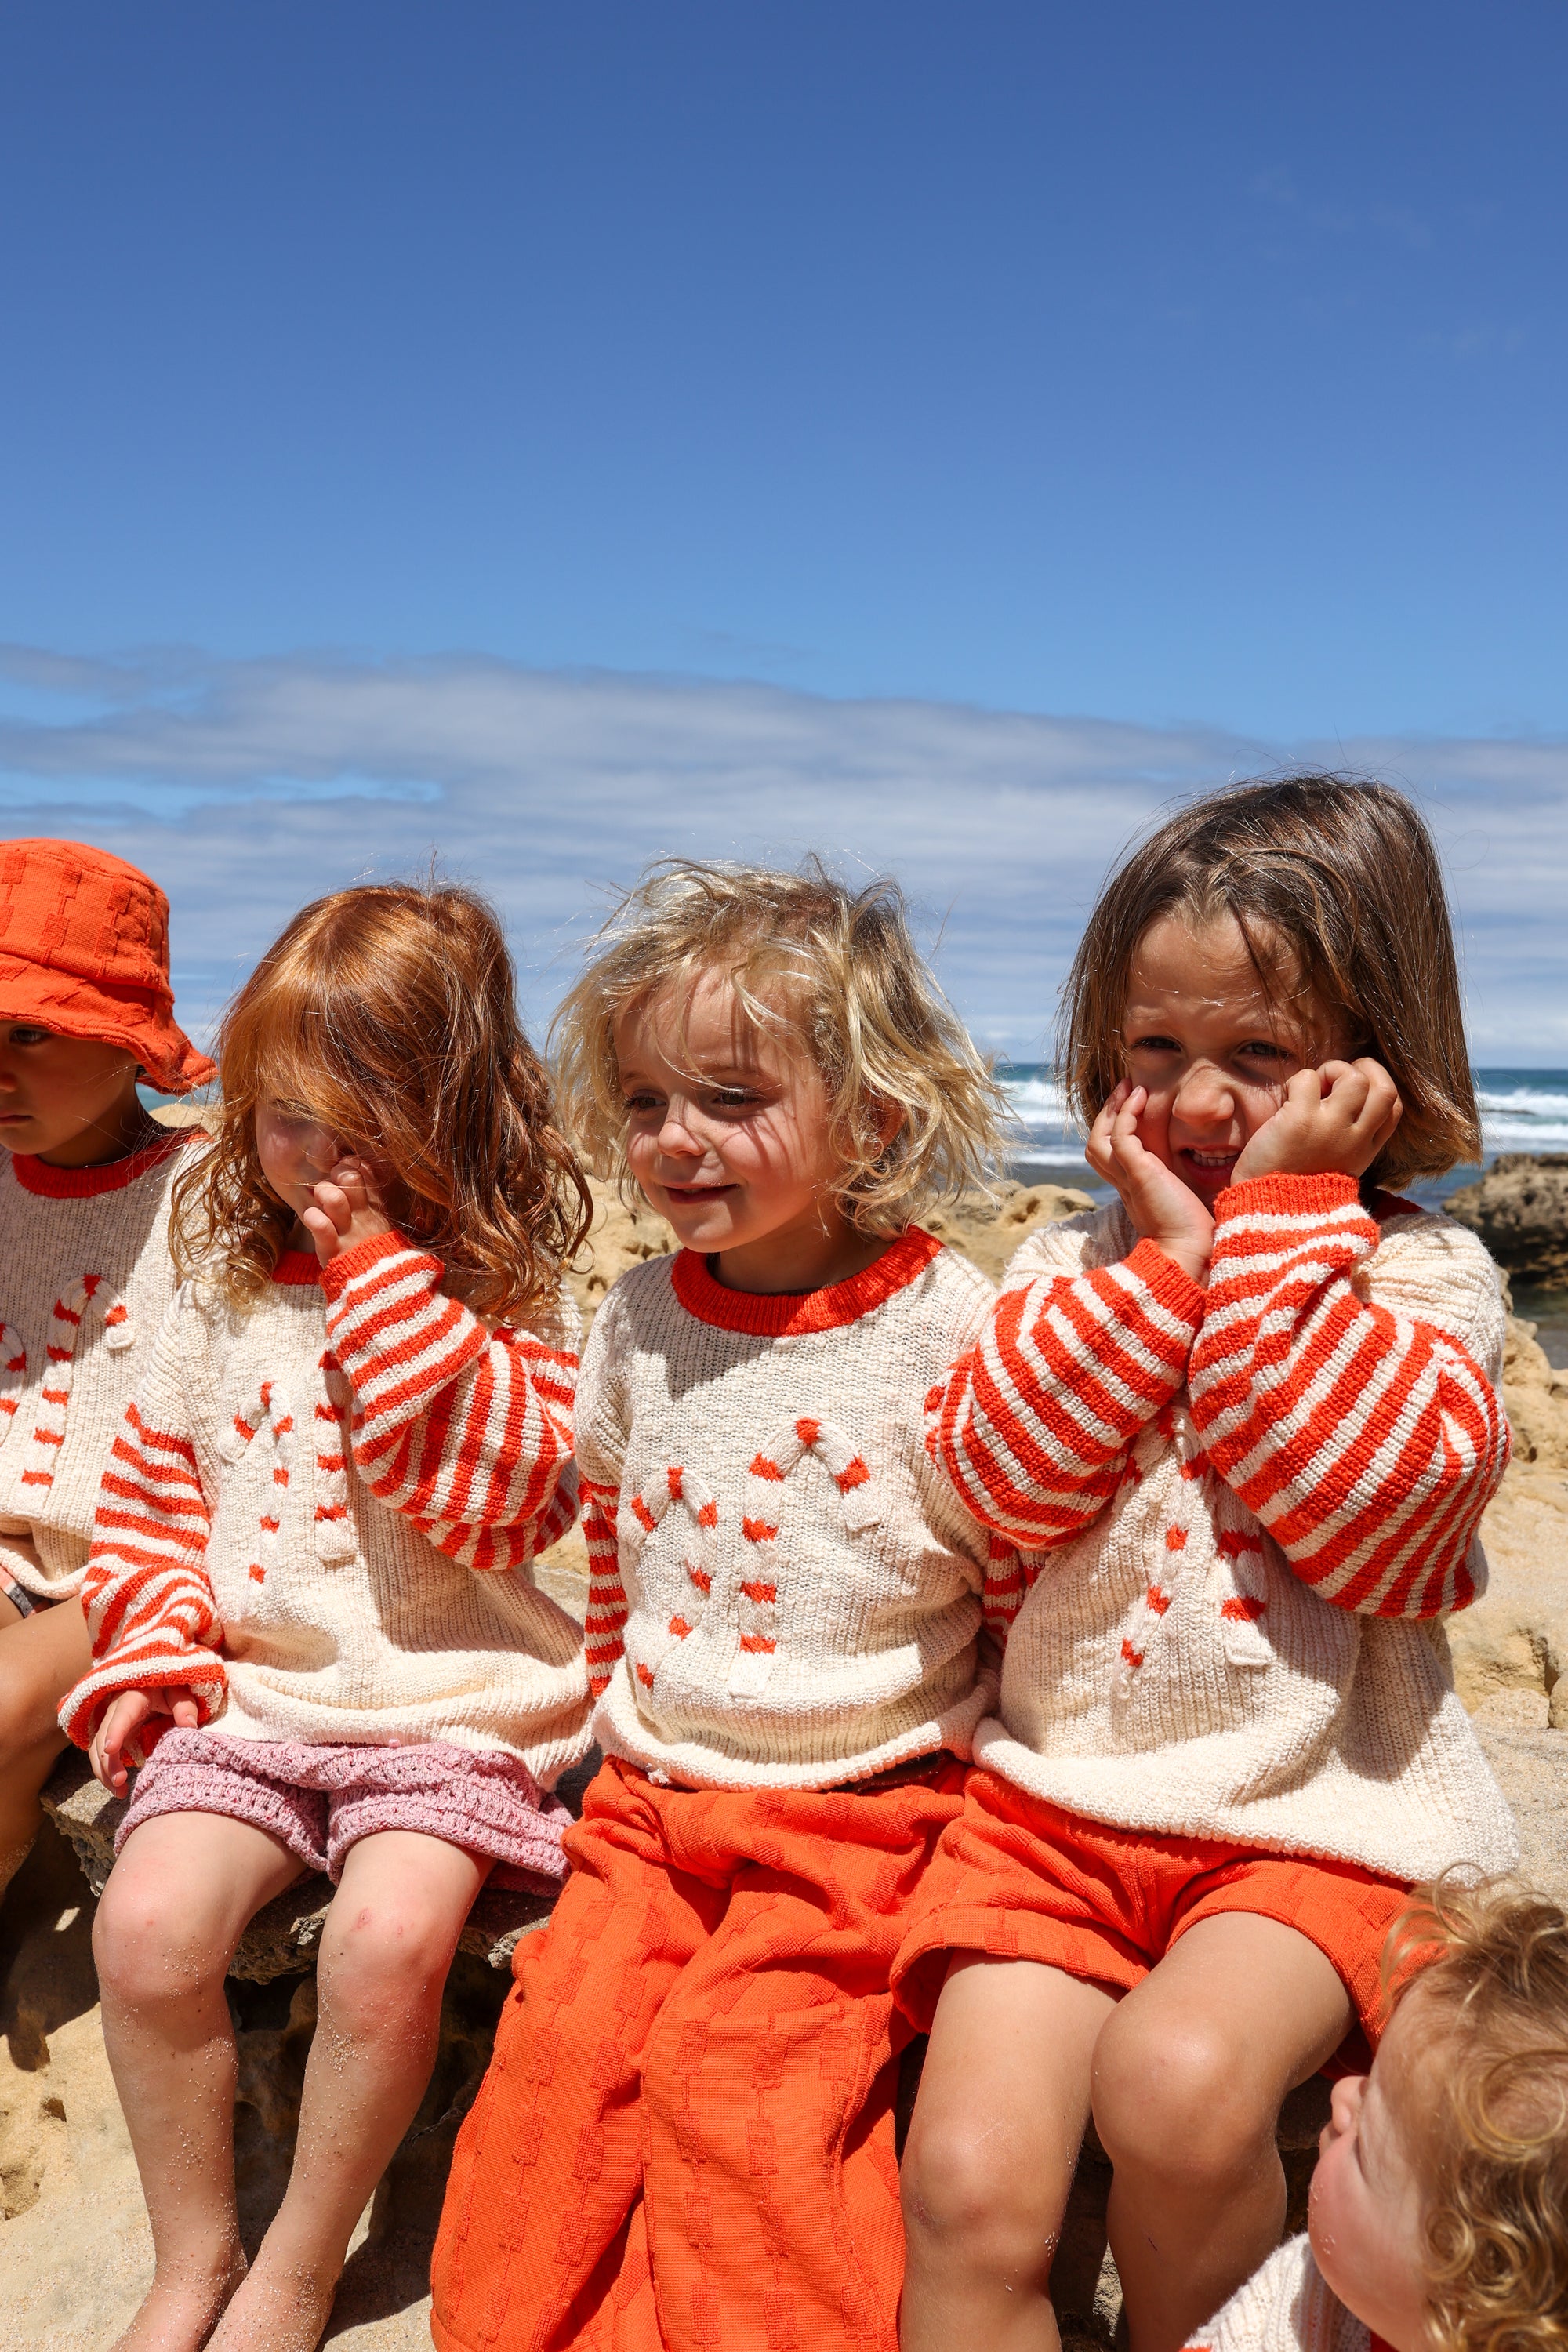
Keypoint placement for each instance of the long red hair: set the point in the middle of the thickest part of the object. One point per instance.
(390, 1009)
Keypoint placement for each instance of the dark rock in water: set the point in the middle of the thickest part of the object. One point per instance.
(1519, 1208)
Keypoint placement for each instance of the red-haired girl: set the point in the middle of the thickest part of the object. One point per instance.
(1244, 1421)
(313, 1553)
(86, 1013)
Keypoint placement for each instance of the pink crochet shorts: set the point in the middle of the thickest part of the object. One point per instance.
(319, 1801)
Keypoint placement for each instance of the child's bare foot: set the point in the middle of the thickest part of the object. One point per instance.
(283, 2306)
(182, 2308)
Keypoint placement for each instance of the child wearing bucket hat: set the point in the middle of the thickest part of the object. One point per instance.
(86, 1012)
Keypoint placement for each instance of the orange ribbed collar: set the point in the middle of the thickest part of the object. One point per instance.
(87, 1184)
(784, 1314)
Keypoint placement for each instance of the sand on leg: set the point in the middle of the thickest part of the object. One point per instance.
(175, 1908)
(42, 1656)
(1004, 2101)
(385, 1953)
(1189, 2077)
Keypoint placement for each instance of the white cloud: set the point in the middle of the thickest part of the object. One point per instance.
(249, 786)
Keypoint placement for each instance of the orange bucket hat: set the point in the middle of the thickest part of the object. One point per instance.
(84, 950)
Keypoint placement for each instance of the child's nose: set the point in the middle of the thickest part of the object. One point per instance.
(1204, 1095)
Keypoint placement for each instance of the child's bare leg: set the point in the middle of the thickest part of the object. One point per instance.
(41, 1656)
(385, 1952)
(991, 2149)
(1189, 2077)
(172, 1912)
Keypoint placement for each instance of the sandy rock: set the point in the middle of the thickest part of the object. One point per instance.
(1519, 1208)
(989, 1229)
(625, 1233)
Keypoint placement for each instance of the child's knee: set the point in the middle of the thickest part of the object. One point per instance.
(1175, 2099)
(968, 2202)
(384, 1950)
(143, 1957)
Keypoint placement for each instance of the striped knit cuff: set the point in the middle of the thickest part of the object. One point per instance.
(1288, 1196)
(339, 1271)
(1171, 1283)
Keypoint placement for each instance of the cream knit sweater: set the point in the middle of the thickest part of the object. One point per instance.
(1249, 1504)
(85, 1280)
(322, 1513)
(785, 1592)
(1286, 2308)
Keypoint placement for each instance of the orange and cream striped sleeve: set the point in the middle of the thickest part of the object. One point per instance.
(466, 1430)
(150, 1609)
(1034, 1425)
(602, 1435)
(1354, 1414)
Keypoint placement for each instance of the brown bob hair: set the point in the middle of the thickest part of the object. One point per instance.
(1334, 884)
(1489, 1964)
(390, 1011)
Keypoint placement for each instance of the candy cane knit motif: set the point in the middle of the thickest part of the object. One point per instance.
(1235, 1508)
(83, 1297)
(342, 1565)
(13, 1371)
(85, 1281)
(782, 1590)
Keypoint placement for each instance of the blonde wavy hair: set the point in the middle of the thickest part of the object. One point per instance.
(1493, 1963)
(916, 1115)
(389, 1010)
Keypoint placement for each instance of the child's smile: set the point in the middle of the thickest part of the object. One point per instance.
(728, 1136)
(1211, 1050)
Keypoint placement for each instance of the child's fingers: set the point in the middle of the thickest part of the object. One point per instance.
(185, 1712)
(333, 1202)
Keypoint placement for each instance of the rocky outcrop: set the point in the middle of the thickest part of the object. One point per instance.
(1519, 1208)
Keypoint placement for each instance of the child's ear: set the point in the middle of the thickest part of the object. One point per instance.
(887, 1120)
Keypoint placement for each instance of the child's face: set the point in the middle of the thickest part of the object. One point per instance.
(726, 1129)
(1200, 1034)
(62, 1099)
(1365, 2213)
(296, 1148)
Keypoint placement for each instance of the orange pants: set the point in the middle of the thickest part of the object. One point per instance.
(686, 2135)
(1019, 1879)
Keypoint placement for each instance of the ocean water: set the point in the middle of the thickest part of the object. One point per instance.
(1521, 1110)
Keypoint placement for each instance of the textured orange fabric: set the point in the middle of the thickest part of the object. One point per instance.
(685, 2139)
(1019, 1879)
(84, 950)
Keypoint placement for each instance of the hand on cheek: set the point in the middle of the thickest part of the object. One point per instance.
(1163, 1209)
(346, 1210)
(1333, 1121)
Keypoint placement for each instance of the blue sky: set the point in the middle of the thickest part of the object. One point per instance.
(550, 436)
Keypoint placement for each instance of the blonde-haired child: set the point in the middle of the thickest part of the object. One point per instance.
(686, 2136)
(1246, 1421)
(86, 1012)
(311, 1593)
(1438, 2217)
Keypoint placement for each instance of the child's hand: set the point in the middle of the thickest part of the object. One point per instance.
(347, 1210)
(1332, 1122)
(124, 1716)
(1164, 1210)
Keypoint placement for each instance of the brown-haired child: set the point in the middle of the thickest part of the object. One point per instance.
(311, 1585)
(86, 1012)
(1243, 1422)
(1439, 2218)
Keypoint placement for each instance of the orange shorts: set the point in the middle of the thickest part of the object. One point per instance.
(1020, 1879)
